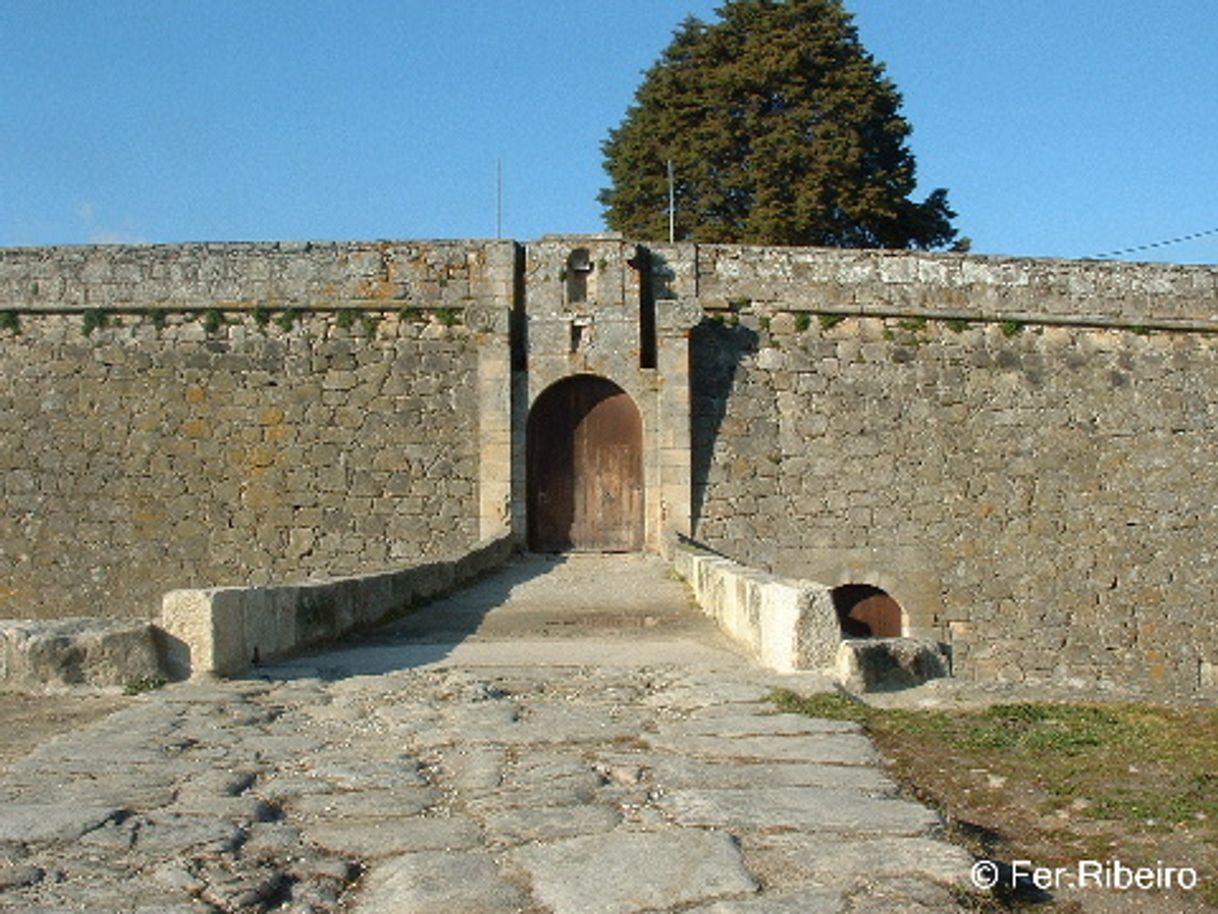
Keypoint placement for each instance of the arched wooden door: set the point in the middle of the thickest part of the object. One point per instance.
(585, 468)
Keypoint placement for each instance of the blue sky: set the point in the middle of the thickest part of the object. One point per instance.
(1064, 128)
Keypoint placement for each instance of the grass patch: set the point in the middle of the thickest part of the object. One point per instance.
(1056, 783)
(829, 321)
(1011, 328)
(143, 684)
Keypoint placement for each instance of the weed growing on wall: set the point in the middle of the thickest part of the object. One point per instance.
(803, 321)
(158, 317)
(262, 316)
(288, 318)
(957, 324)
(10, 321)
(345, 319)
(94, 319)
(449, 317)
(213, 320)
(829, 321)
(1011, 328)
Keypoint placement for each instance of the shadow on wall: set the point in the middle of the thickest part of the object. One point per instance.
(716, 351)
(421, 636)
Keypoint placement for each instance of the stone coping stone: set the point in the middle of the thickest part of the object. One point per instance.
(45, 655)
(888, 664)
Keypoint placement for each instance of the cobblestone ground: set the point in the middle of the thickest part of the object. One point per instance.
(533, 744)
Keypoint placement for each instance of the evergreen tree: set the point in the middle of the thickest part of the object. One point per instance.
(781, 128)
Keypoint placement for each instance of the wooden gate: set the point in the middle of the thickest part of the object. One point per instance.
(585, 468)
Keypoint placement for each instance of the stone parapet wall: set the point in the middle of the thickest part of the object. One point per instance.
(910, 283)
(241, 276)
(786, 625)
(226, 631)
(158, 452)
(1040, 496)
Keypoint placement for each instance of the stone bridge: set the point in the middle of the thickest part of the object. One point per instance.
(568, 735)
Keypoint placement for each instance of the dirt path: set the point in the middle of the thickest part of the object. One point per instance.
(28, 721)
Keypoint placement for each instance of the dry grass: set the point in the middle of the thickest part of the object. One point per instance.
(1059, 783)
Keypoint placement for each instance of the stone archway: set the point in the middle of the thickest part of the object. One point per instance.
(584, 468)
(867, 611)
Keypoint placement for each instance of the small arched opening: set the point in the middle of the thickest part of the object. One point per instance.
(579, 268)
(866, 611)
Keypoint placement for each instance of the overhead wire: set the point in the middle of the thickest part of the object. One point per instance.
(1154, 244)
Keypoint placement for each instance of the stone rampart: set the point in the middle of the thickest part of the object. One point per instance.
(202, 415)
(1019, 452)
(1038, 495)
(947, 286)
(249, 276)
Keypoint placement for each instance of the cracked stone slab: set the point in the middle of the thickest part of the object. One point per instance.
(755, 724)
(552, 723)
(804, 901)
(517, 826)
(364, 804)
(165, 834)
(903, 896)
(676, 772)
(371, 838)
(830, 748)
(626, 872)
(438, 882)
(36, 823)
(804, 808)
(355, 773)
(829, 860)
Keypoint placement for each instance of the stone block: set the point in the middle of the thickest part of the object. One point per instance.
(35, 655)
(787, 624)
(224, 631)
(887, 664)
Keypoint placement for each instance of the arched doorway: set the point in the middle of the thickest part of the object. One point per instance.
(866, 611)
(584, 468)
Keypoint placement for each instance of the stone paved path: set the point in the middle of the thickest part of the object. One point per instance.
(530, 745)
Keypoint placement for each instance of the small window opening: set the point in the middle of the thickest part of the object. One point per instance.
(578, 328)
(647, 309)
(579, 265)
(866, 611)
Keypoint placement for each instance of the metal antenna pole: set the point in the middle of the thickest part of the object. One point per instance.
(672, 205)
(498, 198)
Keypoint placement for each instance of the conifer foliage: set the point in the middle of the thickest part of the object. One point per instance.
(781, 128)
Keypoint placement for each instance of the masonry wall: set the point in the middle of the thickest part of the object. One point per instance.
(205, 415)
(1039, 493)
(1019, 451)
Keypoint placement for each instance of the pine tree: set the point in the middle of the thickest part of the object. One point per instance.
(781, 128)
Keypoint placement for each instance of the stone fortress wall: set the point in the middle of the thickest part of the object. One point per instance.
(1020, 452)
(181, 416)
